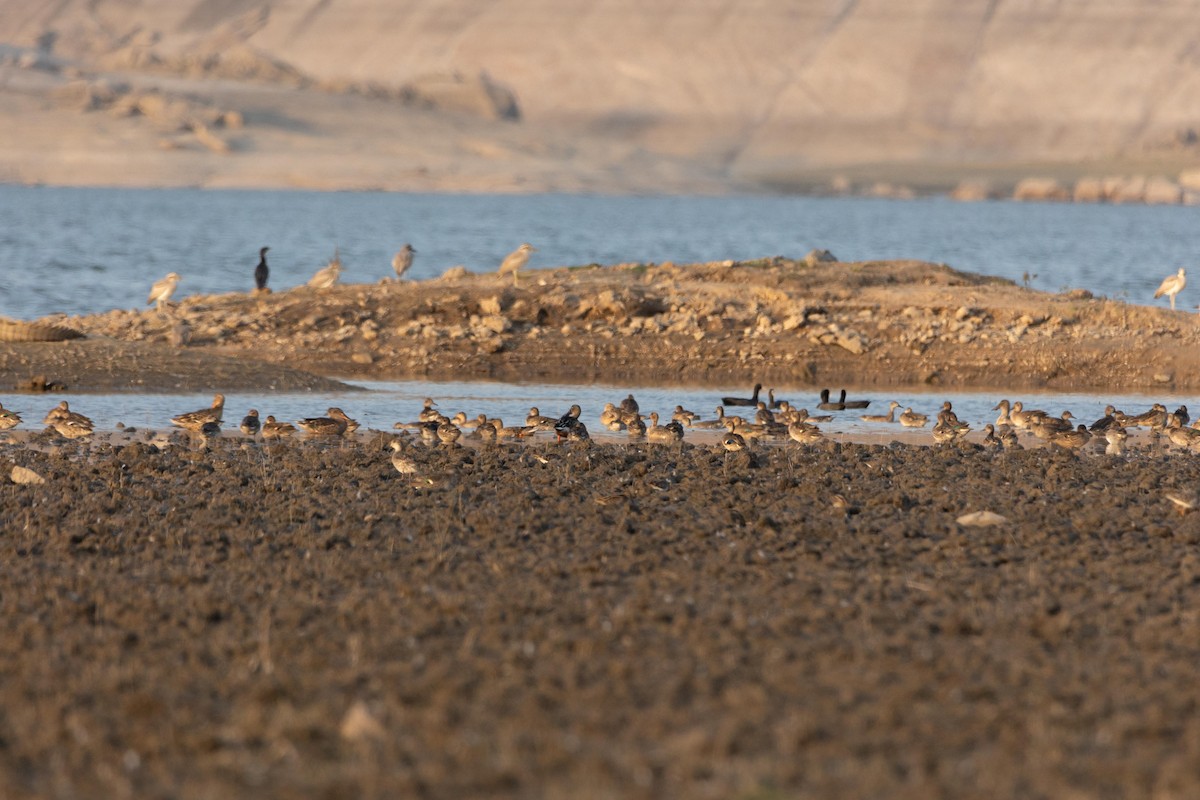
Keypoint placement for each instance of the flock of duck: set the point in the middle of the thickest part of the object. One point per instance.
(771, 419)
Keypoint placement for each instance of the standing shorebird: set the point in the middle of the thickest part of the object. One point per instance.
(515, 260)
(403, 260)
(162, 290)
(261, 272)
(403, 464)
(1171, 286)
(327, 275)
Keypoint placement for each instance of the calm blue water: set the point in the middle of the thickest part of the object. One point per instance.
(80, 251)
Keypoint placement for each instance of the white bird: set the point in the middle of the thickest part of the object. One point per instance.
(327, 275)
(162, 290)
(1171, 286)
(515, 260)
(403, 260)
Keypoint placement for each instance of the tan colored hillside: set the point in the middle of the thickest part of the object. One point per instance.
(604, 94)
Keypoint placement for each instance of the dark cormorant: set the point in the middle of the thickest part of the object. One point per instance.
(261, 272)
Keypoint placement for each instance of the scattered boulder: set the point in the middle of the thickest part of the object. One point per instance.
(479, 96)
(1162, 191)
(1040, 189)
(1089, 190)
(816, 257)
(972, 190)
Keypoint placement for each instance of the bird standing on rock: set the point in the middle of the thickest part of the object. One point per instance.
(327, 275)
(1171, 286)
(515, 260)
(162, 290)
(403, 260)
(261, 272)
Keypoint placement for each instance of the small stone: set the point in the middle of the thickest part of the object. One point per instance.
(359, 724)
(981, 519)
(25, 476)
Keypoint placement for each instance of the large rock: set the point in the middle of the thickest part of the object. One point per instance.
(1037, 189)
(1163, 191)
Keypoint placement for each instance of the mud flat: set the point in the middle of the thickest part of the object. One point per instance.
(870, 325)
(603, 621)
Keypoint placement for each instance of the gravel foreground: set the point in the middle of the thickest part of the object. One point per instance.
(597, 621)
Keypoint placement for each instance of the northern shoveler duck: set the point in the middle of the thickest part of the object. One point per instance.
(683, 416)
(334, 423)
(271, 429)
(193, 420)
(948, 427)
(428, 412)
(1072, 439)
(1003, 407)
(578, 433)
(534, 419)
(1147, 418)
(8, 419)
(447, 433)
(72, 425)
(629, 405)
(671, 433)
(990, 439)
(1045, 427)
(1107, 421)
(612, 418)
(888, 417)
(804, 433)
(250, 424)
(1021, 418)
(511, 431)
(567, 421)
(912, 419)
(763, 415)
(711, 424)
(636, 426)
(733, 442)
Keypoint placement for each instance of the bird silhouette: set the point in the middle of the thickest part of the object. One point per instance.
(261, 272)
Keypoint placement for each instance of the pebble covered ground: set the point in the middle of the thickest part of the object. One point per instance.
(298, 619)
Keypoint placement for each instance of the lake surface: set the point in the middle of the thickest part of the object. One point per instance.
(79, 251)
